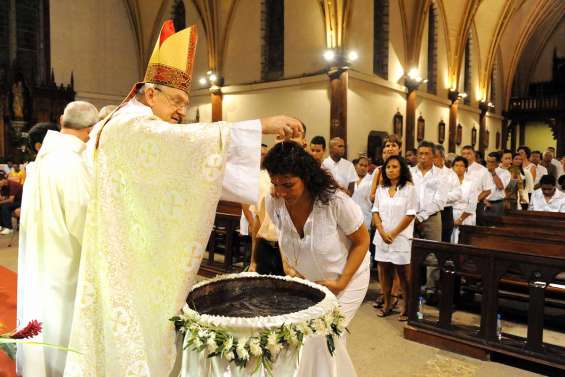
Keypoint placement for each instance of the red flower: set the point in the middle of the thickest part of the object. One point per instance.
(32, 329)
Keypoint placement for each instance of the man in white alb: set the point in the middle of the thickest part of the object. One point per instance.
(342, 170)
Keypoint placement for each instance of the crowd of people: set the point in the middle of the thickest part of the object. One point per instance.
(317, 214)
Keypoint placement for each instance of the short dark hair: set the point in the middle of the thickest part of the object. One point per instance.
(427, 144)
(289, 158)
(392, 138)
(468, 147)
(496, 155)
(462, 159)
(505, 151)
(37, 133)
(358, 159)
(319, 140)
(548, 179)
(536, 152)
(526, 149)
(561, 180)
(405, 175)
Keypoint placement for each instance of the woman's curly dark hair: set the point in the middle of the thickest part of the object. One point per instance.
(405, 175)
(289, 158)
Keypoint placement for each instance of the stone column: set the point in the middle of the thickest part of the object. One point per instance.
(338, 106)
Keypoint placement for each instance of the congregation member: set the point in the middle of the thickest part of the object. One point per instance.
(561, 183)
(540, 169)
(494, 203)
(464, 209)
(432, 196)
(412, 157)
(10, 200)
(516, 192)
(547, 163)
(391, 147)
(453, 193)
(132, 218)
(57, 193)
(17, 174)
(481, 176)
(342, 170)
(547, 198)
(363, 188)
(560, 169)
(394, 209)
(318, 148)
(526, 153)
(37, 134)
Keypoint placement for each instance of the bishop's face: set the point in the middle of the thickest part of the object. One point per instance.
(167, 103)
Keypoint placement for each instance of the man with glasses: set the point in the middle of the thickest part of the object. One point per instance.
(145, 239)
(55, 198)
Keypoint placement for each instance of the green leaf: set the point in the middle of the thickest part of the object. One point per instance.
(9, 348)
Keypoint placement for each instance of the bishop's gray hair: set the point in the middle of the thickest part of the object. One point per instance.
(79, 115)
(105, 111)
(144, 87)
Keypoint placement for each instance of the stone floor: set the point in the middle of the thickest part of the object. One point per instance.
(378, 348)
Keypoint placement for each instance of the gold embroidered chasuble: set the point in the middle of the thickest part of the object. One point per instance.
(156, 187)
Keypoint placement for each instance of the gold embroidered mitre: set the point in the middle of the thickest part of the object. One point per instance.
(172, 59)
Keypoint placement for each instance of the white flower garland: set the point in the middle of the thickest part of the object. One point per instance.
(264, 346)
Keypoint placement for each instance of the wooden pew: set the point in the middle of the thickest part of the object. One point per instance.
(526, 223)
(479, 340)
(536, 214)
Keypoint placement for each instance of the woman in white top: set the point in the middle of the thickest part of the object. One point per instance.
(396, 204)
(322, 238)
(362, 188)
(464, 209)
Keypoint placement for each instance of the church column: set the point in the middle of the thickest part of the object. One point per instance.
(454, 98)
(513, 127)
(412, 81)
(338, 105)
(483, 107)
(217, 99)
(504, 134)
(13, 41)
(522, 138)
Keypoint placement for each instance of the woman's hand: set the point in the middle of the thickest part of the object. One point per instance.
(386, 236)
(335, 286)
(252, 267)
(458, 222)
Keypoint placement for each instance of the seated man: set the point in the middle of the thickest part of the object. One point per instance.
(547, 198)
(10, 199)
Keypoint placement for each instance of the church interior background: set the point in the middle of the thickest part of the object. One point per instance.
(488, 73)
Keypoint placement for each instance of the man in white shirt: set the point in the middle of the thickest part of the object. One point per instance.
(547, 198)
(318, 148)
(540, 169)
(342, 170)
(555, 162)
(432, 196)
(480, 175)
(453, 194)
(494, 203)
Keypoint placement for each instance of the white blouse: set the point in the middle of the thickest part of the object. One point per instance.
(361, 197)
(323, 251)
(468, 202)
(391, 210)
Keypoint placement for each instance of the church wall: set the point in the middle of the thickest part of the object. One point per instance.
(539, 136)
(544, 66)
(93, 39)
(242, 59)
(303, 50)
(360, 35)
(433, 110)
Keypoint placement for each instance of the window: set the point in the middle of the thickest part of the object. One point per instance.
(380, 38)
(432, 50)
(492, 87)
(272, 17)
(467, 73)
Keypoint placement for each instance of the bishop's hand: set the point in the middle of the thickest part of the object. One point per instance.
(283, 126)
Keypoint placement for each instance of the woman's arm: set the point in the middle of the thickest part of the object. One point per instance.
(403, 224)
(359, 247)
(374, 184)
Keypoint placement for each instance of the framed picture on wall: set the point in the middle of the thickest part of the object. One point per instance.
(441, 132)
(397, 124)
(473, 136)
(497, 139)
(487, 139)
(459, 134)
(421, 131)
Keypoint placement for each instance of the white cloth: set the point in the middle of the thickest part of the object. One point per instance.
(156, 228)
(540, 172)
(323, 251)
(529, 182)
(454, 189)
(467, 204)
(55, 198)
(555, 204)
(481, 176)
(497, 194)
(343, 171)
(558, 166)
(431, 190)
(361, 197)
(392, 210)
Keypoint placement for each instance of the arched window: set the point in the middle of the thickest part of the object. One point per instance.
(272, 21)
(467, 73)
(492, 87)
(432, 49)
(179, 15)
(380, 38)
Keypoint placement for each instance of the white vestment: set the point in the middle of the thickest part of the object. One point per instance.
(53, 212)
(155, 190)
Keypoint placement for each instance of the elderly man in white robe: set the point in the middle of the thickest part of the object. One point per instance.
(156, 185)
(55, 198)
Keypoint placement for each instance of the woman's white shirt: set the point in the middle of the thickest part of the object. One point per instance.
(391, 211)
(468, 202)
(361, 197)
(323, 251)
